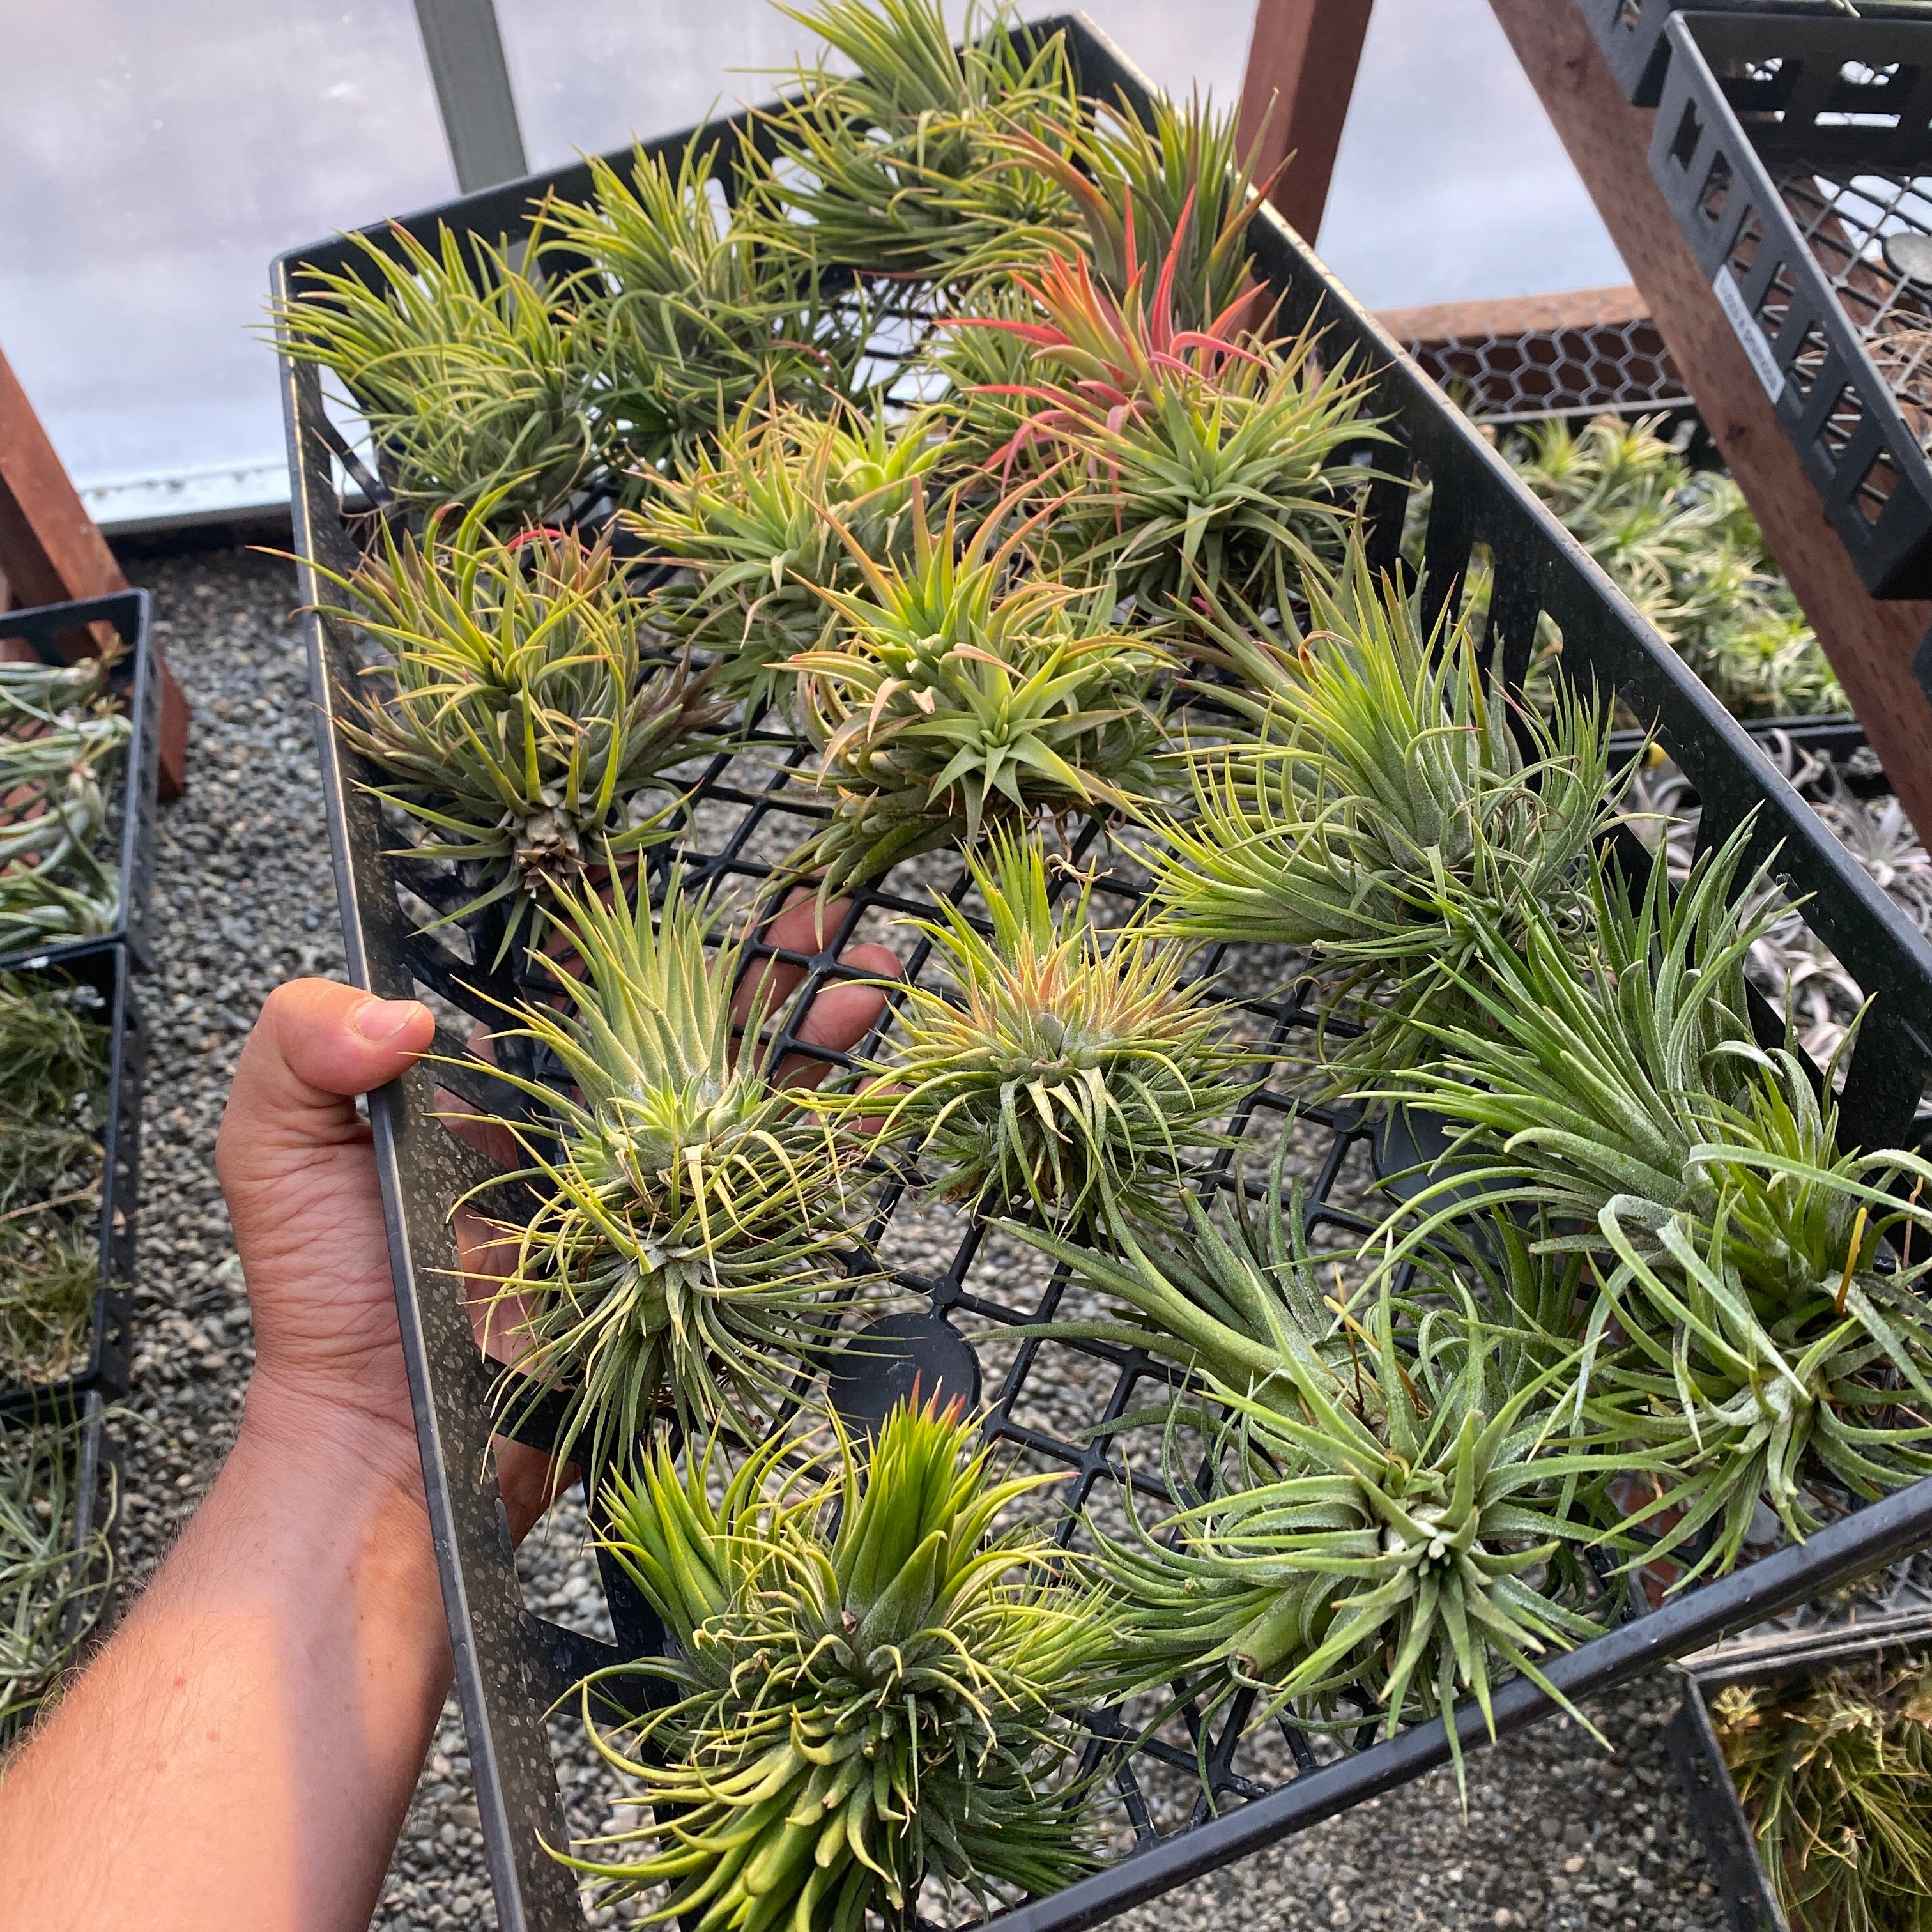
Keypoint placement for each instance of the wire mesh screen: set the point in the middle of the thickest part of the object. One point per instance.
(1506, 374)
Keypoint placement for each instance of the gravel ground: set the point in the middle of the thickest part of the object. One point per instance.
(1558, 1832)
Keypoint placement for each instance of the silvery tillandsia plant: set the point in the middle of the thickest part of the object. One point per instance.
(474, 376)
(695, 1221)
(899, 168)
(52, 1593)
(62, 743)
(769, 518)
(952, 697)
(876, 1681)
(515, 711)
(1371, 788)
(693, 316)
(1056, 1072)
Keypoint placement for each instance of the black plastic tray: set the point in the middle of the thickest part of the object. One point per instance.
(1716, 1811)
(134, 682)
(1789, 147)
(1630, 32)
(511, 1664)
(108, 968)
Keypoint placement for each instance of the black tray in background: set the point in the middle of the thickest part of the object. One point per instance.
(133, 681)
(108, 969)
(511, 1663)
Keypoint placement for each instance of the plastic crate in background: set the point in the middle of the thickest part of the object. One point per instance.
(134, 682)
(512, 1664)
(1789, 147)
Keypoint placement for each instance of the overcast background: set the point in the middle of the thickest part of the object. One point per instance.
(154, 157)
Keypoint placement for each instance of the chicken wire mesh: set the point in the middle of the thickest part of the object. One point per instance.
(1508, 374)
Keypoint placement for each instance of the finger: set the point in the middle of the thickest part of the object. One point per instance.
(805, 926)
(316, 1045)
(844, 1013)
(489, 1136)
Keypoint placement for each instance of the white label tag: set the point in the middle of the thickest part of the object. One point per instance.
(1750, 337)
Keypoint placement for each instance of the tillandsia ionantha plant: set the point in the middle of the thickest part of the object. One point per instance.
(63, 741)
(693, 316)
(516, 710)
(952, 697)
(54, 1051)
(1372, 790)
(1180, 462)
(1056, 1072)
(903, 168)
(876, 1682)
(1395, 1508)
(1616, 1088)
(475, 377)
(695, 1223)
(54, 1585)
(1835, 1776)
(768, 519)
(1687, 551)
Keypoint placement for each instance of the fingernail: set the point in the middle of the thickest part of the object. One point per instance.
(379, 1021)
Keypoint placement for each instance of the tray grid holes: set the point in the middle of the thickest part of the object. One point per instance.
(1839, 427)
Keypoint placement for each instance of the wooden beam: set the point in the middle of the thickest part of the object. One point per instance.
(1300, 76)
(1870, 643)
(52, 552)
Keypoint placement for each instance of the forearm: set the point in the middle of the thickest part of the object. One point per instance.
(261, 1717)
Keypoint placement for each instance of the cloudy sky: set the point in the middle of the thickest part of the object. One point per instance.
(157, 157)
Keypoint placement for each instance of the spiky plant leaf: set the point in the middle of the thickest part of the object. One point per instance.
(693, 1220)
(1372, 792)
(50, 1274)
(515, 709)
(899, 168)
(874, 1683)
(1055, 1072)
(475, 379)
(693, 317)
(949, 701)
(754, 522)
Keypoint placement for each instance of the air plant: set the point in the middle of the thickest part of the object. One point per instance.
(49, 1276)
(692, 316)
(1179, 462)
(1056, 1072)
(54, 1585)
(1836, 1779)
(694, 1221)
(951, 699)
(874, 1684)
(476, 379)
(62, 742)
(513, 710)
(901, 169)
(1687, 552)
(1372, 790)
(766, 520)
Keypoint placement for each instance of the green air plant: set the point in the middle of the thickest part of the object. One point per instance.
(903, 168)
(1179, 463)
(1685, 549)
(950, 699)
(475, 379)
(1616, 1089)
(62, 743)
(694, 1221)
(54, 1585)
(1835, 1776)
(692, 316)
(513, 710)
(873, 1684)
(1056, 1072)
(765, 521)
(1371, 790)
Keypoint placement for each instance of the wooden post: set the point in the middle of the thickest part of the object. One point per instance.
(1294, 97)
(51, 552)
(1870, 643)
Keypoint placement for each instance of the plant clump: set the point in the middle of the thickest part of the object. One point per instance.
(1055, 1072)
(876, 1681)
(694, 1221)
(516, 708)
